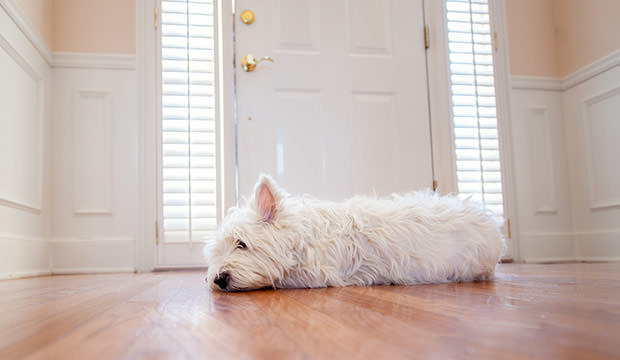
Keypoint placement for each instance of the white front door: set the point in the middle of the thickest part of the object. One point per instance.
(343, 109)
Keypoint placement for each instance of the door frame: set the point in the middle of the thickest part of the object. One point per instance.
(444, 164)
(438, 92)
(148, 126)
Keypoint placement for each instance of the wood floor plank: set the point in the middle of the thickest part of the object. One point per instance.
(560, 311)
(23, 329)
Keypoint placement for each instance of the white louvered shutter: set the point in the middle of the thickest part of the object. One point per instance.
(188, 150)
(470, 45)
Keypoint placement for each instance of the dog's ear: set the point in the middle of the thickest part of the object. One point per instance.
(267, 196)
(266, 203)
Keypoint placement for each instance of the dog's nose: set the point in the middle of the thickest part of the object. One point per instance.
(221, 280)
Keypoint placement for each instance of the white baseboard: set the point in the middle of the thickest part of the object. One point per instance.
(594, 245)
(23, 256)
(96, 255)
(598, 259)
(92, 271)
(24, 274)
(549, 260)
(546, 247)
(554, 260)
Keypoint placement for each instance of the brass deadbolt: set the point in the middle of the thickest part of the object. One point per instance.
(247, 17)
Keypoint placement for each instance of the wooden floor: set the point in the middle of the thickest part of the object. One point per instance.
(557, 311)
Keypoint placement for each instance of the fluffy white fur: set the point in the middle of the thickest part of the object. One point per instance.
(284, 241)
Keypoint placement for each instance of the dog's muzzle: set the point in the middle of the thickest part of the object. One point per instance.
(221, 280)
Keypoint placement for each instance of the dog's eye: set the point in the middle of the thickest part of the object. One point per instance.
(241, 245)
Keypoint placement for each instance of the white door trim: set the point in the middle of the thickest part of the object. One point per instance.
(147, 181)
(146, 64)
(497, 13)
(441, 123)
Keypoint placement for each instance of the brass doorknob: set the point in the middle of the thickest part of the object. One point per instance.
(249, 62)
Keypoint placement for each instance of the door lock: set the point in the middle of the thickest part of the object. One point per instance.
(249, 62)
(247, 17)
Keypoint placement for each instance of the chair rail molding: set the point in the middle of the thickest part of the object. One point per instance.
(535, 83)
(587, 72)
(27, 29)
(94, 61)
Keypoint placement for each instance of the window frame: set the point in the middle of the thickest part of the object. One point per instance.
(160, 131)
(148, 64)
(442, 128)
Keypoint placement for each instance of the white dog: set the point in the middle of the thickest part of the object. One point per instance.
(284, 241)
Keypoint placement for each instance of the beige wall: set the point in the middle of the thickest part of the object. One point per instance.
(39, 12)
(554, 38)
(550, 38)
(84, 26)
(586, 30)
(102, 26)
(531, 38)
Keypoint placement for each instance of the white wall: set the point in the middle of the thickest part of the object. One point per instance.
(566, 136)
(95, 163)
(592, 118)
(543, 201)
(25, 143)
(81, 214)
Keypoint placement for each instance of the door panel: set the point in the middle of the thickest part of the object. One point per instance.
(343, 109)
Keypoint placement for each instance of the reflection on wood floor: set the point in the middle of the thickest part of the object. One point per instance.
(545, 311)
